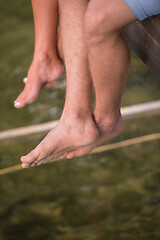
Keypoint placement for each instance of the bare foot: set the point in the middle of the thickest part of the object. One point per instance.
(42, 73)
(107, 131)
(65, 137)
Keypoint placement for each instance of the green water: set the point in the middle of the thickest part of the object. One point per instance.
(113, 195)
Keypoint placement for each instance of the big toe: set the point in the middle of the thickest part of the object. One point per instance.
(28, 95)
(29, 158)
(25, 165)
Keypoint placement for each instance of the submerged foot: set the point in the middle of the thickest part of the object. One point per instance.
(65, 137)
(43, 73)
(107, 131)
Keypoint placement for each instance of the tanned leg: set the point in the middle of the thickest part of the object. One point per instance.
(109, 62)
(46, 66)
(76, 127)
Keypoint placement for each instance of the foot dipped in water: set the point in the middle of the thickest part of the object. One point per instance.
(107, 130)
(70, 133)
(43, 73)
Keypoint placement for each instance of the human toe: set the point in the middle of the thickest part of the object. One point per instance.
(64, 155)
(28, 95)
(25, 165)
(30, 158)
(70, 155)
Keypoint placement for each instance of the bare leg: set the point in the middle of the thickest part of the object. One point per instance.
(109, 62)
(46, 67)
(76, 127)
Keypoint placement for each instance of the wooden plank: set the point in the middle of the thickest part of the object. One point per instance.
(129, 112)
(144, 38)
(152, 26)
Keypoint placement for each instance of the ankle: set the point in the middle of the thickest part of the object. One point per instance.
(74, 116)
(45, 56)
(111, 120)
(82, 124)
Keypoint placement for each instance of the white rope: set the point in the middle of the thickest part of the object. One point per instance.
(129, 112)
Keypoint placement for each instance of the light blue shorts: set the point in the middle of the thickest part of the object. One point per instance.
(144, 8)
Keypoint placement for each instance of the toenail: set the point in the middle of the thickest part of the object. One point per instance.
(16, 103)
(25, 79)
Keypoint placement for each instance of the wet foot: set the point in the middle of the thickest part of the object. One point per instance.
(107, 131)
(43, 73)
(65, 137)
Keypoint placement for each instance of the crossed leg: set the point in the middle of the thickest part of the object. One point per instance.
(109, 62)
(46, 66)
(76, 127)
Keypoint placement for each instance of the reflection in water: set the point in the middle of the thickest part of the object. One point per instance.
(113, 195)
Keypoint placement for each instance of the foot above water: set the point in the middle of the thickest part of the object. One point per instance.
(41, 74)
(106, 132)
(65, 137)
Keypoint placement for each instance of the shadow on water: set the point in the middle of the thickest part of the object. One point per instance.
(113, 195)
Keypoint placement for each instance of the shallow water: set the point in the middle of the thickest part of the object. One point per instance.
(113, 195)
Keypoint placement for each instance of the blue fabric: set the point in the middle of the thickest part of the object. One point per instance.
(144, 8)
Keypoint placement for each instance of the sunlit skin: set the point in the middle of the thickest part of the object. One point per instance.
(46, 66)
(109, 63)
(76, 126)
(100, 43)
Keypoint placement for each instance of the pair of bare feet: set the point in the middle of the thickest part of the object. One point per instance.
(74, 135)
(95, 53)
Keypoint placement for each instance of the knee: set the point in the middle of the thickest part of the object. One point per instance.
(99, 23)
